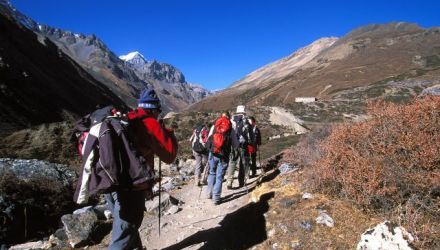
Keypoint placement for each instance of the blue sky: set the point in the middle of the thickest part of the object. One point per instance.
(216, 42)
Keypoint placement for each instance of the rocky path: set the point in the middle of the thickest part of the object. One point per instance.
(202, 225)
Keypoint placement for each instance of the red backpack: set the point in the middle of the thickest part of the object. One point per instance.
(204, 135)
(221, 127)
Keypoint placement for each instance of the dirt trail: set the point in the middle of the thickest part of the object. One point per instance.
(200, 224)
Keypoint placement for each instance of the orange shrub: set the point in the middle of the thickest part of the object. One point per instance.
(394, 154)
(389, 162)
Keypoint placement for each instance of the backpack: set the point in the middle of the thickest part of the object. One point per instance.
(82, 126)
(221, 128)
(110, 159)
(204, 134)
(243, 131)
(201, 137)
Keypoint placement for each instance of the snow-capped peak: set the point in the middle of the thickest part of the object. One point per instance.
(132, 55)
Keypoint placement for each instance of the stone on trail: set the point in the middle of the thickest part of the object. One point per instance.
(103, 212)
(59, 240)
(31, 245)
(305, 225)
(83, 210)
(307, 196)
(166, 202)
(325, 219)
(79, 227)
(173, 209)
(286, 168)
(385, 235)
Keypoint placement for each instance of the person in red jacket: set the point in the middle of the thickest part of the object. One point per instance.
(152, 138)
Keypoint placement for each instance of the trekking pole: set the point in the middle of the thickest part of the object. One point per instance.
(160, 187)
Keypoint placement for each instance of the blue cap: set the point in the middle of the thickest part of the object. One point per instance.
(148, 99)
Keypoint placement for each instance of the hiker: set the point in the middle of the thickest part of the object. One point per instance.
(205, 173)
(253, 146)
(240, 154)
(198, 141)
(152, 138)
(221, 139)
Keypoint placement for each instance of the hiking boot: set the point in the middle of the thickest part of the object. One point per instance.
(216, 202)
(229, 185)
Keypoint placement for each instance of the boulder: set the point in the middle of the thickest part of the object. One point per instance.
(28, 169)
(103, 212)
(167, 184)
(166, 202)
(79, 227)
(30, 245)
(385, 235)
(59, 240)
(32, 187)
(83, 210)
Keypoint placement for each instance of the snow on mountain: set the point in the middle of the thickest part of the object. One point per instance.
(162, 71)
(134, 58)
(126, 75)
(172, 81)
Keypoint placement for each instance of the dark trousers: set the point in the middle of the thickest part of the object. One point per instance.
(253, 163)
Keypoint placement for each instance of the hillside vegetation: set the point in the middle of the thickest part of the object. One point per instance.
(389, 165)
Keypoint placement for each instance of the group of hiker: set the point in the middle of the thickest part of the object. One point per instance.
(229, 144)
(118, 151)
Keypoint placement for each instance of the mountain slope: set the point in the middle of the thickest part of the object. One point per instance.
(167, 79)
(122, 78)
(370, 54)
(39, 83)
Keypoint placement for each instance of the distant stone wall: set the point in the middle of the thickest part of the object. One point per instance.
(305, 99)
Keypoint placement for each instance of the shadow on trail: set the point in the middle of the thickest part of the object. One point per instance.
(251, 186)
(241, 229)
(271, 164)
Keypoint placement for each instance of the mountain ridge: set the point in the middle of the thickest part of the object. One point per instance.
(31, 93)
(364, 56)
(122, 78)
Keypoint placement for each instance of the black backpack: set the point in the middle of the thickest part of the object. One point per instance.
(111, 161)
(243, 131)
(197, 145)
